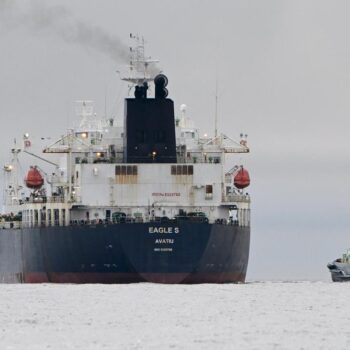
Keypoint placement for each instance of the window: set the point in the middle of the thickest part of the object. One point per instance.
(182, 170)
(126, 170)
(209, 189)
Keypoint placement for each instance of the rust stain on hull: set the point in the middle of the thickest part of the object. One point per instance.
(110, 278)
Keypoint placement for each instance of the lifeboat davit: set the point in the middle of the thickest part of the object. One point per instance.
(34, 179)
(242, 179)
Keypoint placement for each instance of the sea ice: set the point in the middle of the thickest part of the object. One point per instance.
(269, 315)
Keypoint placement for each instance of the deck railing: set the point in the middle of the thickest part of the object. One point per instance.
(234, 198)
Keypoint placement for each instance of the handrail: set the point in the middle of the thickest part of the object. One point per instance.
(236, 198)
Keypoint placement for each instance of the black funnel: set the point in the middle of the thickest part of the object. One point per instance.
(150, 125)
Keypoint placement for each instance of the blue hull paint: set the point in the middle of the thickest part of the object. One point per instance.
(124, 253)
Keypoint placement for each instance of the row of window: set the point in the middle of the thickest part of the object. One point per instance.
(126, 170)
(182, 170)
(175, 170)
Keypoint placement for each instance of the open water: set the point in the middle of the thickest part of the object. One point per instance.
(266, 315)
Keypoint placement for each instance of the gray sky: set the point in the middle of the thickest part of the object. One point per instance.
(284, 78)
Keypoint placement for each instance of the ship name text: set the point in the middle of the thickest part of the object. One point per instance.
(166, 194)
(163, 229)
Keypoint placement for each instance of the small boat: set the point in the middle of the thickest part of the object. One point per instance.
(340, 268)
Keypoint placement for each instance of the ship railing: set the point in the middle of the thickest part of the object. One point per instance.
(156, 220)
(198, 159)
(56, 199)
(44, 199)
(234, 198)
(129, 220)
(10, 224)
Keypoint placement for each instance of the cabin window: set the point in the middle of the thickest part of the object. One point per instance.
(182, 170)
(126, 170)
(208, 191)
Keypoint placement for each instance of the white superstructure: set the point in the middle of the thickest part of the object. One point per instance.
(92, 181)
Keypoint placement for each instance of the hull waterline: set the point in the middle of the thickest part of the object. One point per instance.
(126, 253)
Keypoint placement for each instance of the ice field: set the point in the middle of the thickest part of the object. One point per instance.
(266, 315)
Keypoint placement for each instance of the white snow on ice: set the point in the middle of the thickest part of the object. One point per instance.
(269, 315)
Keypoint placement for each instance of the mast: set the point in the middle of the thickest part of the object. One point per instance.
(15, 151)
(12, 187)
(141, 68)
(216, 109)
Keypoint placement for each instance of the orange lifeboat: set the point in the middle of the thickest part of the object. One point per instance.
(242, 179)
(34, 179)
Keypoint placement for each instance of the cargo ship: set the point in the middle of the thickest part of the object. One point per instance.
(146, 200)
(340, 268)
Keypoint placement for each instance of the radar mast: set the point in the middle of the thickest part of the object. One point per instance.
(141, 68)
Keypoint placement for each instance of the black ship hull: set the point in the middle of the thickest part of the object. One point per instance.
(125, 253)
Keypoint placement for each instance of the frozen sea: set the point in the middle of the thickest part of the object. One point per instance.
(256, 315)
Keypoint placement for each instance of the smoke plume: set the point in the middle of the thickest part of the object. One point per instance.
(40, 18)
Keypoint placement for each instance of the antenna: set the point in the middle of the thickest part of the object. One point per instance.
(106, 102)
(138, 63)
(216, 107)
